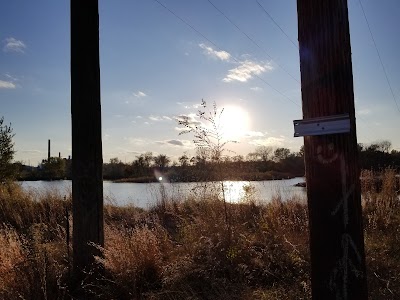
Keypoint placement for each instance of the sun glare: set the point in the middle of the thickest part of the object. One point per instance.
(234, 122)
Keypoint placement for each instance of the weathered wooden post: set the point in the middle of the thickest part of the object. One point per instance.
(332, 171)
(87, 161)
(48, 151)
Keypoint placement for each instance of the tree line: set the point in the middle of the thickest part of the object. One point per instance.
(264, 163)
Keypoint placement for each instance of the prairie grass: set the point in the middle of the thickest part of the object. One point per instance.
(381, 208)
(186, 250)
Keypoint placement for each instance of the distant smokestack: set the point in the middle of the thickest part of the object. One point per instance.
(48, 152)
(59, 154)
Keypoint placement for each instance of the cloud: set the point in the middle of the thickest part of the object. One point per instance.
(222, 55)
(160, 118)
(175, 142)
(7, 85)
(190, 120)
(139, 94)
(12, 78)
(178, 143)
(129, 152)
(155, 118)
(256, 89)
(189, 105)
(31, 151)
(251, 134)
(106, 137)
(135, 141)
(364, 112)
(270, 141)
(14, 45)
(246, 70)
(180, 129)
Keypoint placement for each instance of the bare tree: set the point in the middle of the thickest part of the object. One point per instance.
(264, 153)
(161, 161)
(281, 154)
(183, 160)
(385, 146)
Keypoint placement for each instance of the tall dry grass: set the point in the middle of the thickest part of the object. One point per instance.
(381, 207)
(185, 250)
(33, 253)
(380, 198)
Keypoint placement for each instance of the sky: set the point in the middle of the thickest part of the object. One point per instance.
(160, 58)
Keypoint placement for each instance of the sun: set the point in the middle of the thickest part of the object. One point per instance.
(234, 122)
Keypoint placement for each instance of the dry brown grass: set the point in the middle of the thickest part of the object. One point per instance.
(31, 267)
(382, 232)
(133, 258)
(21, 209)
(380, 198)
(12, 254)
(32, 244)
(189, 249)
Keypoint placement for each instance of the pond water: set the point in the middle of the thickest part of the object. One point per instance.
(147, 194)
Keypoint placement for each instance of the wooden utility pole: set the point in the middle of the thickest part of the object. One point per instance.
(87, 161)
(333, 186)
(48, 151)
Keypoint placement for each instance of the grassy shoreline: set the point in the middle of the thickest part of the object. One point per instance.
(187, 248)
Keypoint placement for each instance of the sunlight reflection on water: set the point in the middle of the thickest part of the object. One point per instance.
(236, 191)
(147, 194)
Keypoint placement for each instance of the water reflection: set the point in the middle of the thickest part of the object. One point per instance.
(147, 194)
(237, 191)
(263, 191)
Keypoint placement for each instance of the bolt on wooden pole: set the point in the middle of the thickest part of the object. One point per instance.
(333, 186)
(87, 161)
